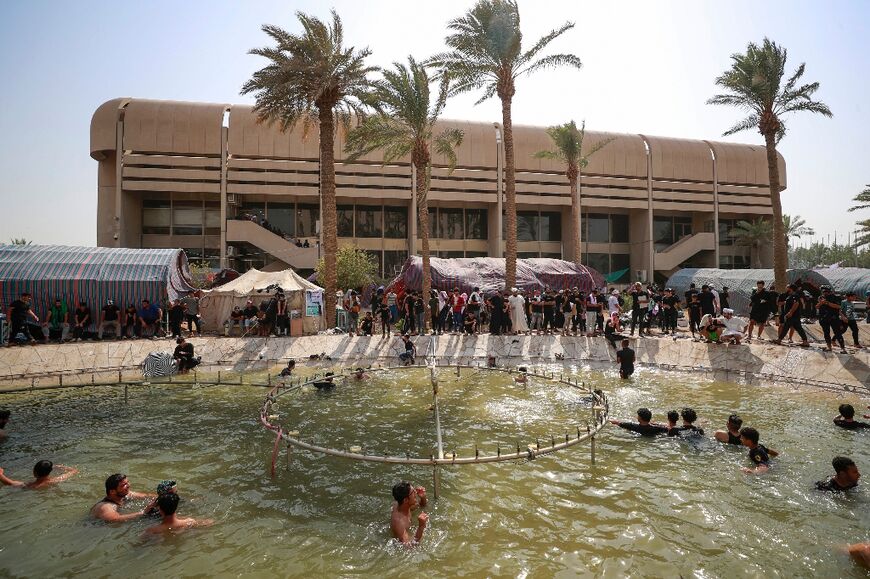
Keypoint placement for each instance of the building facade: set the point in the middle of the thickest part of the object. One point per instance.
(210, 179)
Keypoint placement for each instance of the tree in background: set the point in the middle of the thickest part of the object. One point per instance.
(486, 53)
(795, 227)
(200, 274)
(313, 76)
(355, 268)
(19, 241)
(821, 255)
(755, 83)
(863, 202)
(404, 125)
(568, 141)
(755, 234)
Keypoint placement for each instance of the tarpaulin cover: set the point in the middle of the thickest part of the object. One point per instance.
(487, 273)
(217, 304)
(844, 279)
(91, 274)
(740, 282)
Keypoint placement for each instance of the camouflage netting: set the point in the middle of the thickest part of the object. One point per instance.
(741, 282)
(487, 273)
(844, 279)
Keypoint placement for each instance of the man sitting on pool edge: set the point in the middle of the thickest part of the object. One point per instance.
(167, 503)
(41, 479)
(408, 498)
(117, 494)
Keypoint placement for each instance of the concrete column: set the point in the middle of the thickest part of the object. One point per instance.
(412, 215)
(715, 204)
(651, 254)
(496, 246)
(223, 193)
(119, 181)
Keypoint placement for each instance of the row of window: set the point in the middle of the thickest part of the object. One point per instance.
(609, 263)
(669, 230)
(181, 217)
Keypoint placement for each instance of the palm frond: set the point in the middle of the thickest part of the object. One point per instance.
(446, 143)
(551, 61)
(750, 122)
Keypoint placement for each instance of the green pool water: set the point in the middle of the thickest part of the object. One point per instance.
(647, 508)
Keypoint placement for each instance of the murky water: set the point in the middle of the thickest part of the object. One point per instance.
(650, 508)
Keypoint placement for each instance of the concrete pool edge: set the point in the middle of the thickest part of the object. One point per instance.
(77, 363)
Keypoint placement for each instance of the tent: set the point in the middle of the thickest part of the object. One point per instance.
(303, 297)
(91, 274)
(843, 279)
(741, 282)
(487, 273)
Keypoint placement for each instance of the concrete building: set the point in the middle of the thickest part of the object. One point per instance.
(190, 175)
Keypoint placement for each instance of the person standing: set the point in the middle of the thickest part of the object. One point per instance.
(458, 306)
(829, 318)
(791, 318)
(760, 308)
(708, 301)
(723, 298)
(670, 303)
(420, 312)
(548, 308)
(176, 316)
(593, 309)
(639, 301)
(282, 318)
(537, 310)
(496, 306)
(191, 313)
(625, 357)
(847, 308)
(517, 305)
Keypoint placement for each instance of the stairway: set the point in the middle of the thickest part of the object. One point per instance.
(273, 244)
(672, 256)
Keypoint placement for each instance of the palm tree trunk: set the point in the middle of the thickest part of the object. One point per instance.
(327, 215)
(780, 249)
(510, 193)
(576, 216)
(423, 215)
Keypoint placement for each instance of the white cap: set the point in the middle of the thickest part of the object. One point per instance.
(727, 311)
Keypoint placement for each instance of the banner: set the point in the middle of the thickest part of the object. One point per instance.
(313, 303)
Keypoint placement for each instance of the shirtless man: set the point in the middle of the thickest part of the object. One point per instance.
(522, 377)
(117, 494)
(167, 504)
(408, 498)
(41, 478)
(732, 433)
(360, 374)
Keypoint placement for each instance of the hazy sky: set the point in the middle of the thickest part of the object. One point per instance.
(648, 68)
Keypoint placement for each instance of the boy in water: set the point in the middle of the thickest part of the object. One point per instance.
(846, 476)
(522, 377)
(408, 498)
(688, 428)
(625, 357)
(642, 426)
(846, 419)
(167, 503)
(41, 478)
(731, 434)
(757, 453)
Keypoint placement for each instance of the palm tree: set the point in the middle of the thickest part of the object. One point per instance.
(795, 227)
(404, 125)
(755, 234)
(569, 149)
(755, 84)
(313, 76)
(486, 53)
(19, 241)
(863, 200)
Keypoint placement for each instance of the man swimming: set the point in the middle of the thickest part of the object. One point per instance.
(523, 375)
(118, 493)
(41, 478)
(757, 453)
(408, 498)
(673, 418)
(288, 371)
(688, 427)
(731, 434)
(846, 476)
(846, 419)
(642, 426)
(167, 504)
(625, 357)
(360, 374)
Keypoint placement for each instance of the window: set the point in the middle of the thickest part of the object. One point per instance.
(552, 255)
(212, 256)
(663, 232)
(212, 218)
(187, 218)
(194, 254)
(725, 228)
(368, 221)
(433, 224)
(450, 254)
(476, 254)
(599, 262)
(248, 209)
(528, 226)
(620, 261)
(551, 226)
(156, 217)
(598, 228)
(682, 227)
(281, 217)
(393, 262)
(344, 216)
(450, 223)
(476, 224)
(395, 222)
(618, 228)
(306, 220)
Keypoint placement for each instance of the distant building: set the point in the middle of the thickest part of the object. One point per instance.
(204, 176)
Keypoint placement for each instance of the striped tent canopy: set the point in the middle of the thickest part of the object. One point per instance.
(91, 274)
(846, 279)
(487, 273)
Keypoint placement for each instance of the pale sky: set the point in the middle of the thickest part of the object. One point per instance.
(648, 68)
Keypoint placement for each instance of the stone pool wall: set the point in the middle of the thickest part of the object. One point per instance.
(49, 365)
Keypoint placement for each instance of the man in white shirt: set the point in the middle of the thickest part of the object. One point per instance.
(734, 327)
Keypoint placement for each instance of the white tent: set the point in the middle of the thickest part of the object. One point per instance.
(304, 299)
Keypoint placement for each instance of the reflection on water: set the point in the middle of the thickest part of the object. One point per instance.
(658, 507)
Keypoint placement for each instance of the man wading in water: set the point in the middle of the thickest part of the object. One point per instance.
(408, 498)
(117, 494)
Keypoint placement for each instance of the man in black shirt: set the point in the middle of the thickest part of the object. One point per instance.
(625, 357)
(731, 434)
(761, 305)
(695, 316)
(757, 452)
(723, 298)
(846, 476)
(846, 419)
(829, 318)
(496, 306)
(792, 316)
(708, 301)
(19, 311)
(642, 426)
(670, 302)
(639, 303)
(83, 320)
(110, 317)
(176, 316)
(548, 304)
(184, 355)
(690, 292)
(688, 427)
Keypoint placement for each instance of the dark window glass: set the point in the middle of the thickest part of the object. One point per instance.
(306, 220)
(194, 254)
(551, 226)
(396, 222)
(475, 224)
(368, 221)
(682, 227)
(344, 216)
(476, 254)
(281, 218)
(450, 223)
(393, 262)
(598, 228)
(187, 218)
(248, 210)
(156, 217)
(663, 232)
(212, 218)
(433, 224)
(212, 256)
(725, 227)
(552, 255)
(620, 261)
(619, 228)
(599, 262)
(451, 254)
(527, 254)
(528, 226)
